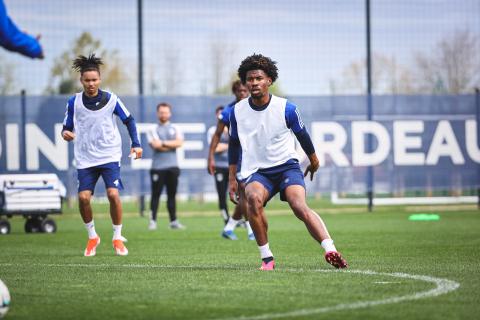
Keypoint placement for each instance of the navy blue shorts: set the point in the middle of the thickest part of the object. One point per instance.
(277, 179)
(110, 172)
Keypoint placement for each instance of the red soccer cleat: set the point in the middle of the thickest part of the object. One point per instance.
(335, 259)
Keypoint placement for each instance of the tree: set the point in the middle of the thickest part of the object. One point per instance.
(453, 67)
(388, 77)
(64, 80)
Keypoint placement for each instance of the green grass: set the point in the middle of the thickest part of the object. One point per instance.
(195, 274)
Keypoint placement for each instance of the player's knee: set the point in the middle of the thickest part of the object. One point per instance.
(84, 199)
(254, 200)
(300, 209)
(112, 194)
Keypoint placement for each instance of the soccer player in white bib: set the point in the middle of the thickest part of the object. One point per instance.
(91, 125)
(262, 128)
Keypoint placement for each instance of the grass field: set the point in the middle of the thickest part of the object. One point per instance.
(195, 274)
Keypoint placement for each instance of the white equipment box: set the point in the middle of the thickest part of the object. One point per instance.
(33, 196)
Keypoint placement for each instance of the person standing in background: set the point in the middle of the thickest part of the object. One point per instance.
(221, 166)
(165, 171)
(241, 92)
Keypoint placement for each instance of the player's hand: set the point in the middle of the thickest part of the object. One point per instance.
(312, 168)
(233, 190)
(136, 152)
(37, 37)
(211, 165)
(68, 135)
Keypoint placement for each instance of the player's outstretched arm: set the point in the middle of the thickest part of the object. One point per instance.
(313, 166)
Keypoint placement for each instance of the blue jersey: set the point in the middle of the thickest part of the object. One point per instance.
(225, 115)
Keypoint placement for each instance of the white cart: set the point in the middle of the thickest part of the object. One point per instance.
(33, 196)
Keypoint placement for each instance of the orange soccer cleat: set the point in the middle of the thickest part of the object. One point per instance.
(119, 247)
(92, 245)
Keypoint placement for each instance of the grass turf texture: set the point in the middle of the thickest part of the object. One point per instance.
(195, 274)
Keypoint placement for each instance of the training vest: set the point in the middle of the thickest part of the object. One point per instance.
(97, 139)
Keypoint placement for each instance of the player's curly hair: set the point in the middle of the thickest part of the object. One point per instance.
(83, 64)
(258, 62)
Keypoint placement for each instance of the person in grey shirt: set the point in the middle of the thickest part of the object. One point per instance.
(165, 171)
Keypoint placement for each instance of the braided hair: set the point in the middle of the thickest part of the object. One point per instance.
(83, 64)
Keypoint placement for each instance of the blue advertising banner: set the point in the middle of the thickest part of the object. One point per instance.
(420, 142)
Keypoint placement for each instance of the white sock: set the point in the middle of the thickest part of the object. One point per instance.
(117, 231)
(249, 228)
(328, 245)
(91, 230)
(265, 251)
(231, 224)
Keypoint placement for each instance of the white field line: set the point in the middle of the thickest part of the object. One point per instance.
(442, 286)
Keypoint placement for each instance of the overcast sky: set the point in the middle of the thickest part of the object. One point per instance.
(313, 41)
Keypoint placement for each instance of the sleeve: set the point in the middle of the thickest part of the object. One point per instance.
(68, 120)
(295, 123)
(293, 119)
(225, 115)
(121, 111)
(132, 131)
(305, 141)
(11, 38)
(178, 132)
(234, 145)
(233, 125)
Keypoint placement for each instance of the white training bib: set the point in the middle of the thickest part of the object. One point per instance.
(97, 139)
(264, 136)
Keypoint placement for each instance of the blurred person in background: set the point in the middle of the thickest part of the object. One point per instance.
(12, 39)
(90, 123)
(241, 92)
(165, 171)
(221, 166)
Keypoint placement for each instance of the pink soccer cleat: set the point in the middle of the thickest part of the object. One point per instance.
(335, 259)
(268, 266)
